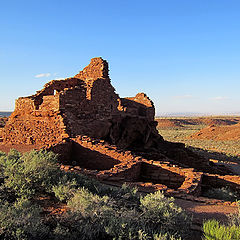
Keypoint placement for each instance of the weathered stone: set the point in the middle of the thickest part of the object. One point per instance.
(83, 105)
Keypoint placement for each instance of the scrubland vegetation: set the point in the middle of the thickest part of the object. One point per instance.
(91, 210)
(221, 150)
(214, 230)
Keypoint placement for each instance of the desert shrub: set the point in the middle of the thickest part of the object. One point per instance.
(41, 169)
(94, 217)
(34, 171)
(86, 217)
(213, 230)
(2, 156)
(61, 232)
(123, 223)
(12, 169)
(88, 203)
(223, 193)
(125, 192)
(234, 218)
(160, 212)
(128, 192)
(91, 184)
(65, 189)
(21, 221)
(95, 210)
(130, 224)
(165, 236)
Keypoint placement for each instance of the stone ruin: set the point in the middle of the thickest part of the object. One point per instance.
(97, 133)
(83, 105)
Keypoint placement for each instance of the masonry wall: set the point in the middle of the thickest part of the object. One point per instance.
(98, 68)
(156, 174)
(217, 181)
(91, 159)
(24, 105)
(50, 102)
(83, 105)
(103, 99)
(38, 128)
(58, 85)
(140, 105)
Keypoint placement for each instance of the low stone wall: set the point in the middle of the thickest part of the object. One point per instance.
(91, 159)
(218, 181)
(105, 162)
(157, 174)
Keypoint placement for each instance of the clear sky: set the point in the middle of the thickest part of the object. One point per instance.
(185, 54)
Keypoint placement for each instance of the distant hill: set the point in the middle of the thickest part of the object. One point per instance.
(5, 114)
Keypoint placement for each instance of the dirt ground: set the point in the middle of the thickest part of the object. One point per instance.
(21, 148)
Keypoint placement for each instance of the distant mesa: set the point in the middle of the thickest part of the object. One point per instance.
(168, 123)
(221, 133)
(185, 121)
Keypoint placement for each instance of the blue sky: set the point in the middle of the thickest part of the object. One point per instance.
(185, 54)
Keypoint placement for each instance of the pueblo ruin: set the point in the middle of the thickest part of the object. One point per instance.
(113, 139)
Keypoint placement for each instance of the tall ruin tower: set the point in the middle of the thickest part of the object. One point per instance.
(85, 104)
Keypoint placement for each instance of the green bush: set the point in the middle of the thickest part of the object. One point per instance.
(130, 224)
(21, 221)
(94, 217)
(160, 212)
(61, 232)
(34, 171)
(213, 230)
(127, 192)
(65, 189)
(86, 217)
(2, 156)
(88, 204)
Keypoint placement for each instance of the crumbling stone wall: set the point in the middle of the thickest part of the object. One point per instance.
(218, 181)
(98, 68)
(83, 105)
(140, 105)
(35, 128)
(105, 162)
(157, 174)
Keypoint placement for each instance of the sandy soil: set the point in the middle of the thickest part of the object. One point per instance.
(21, 148)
